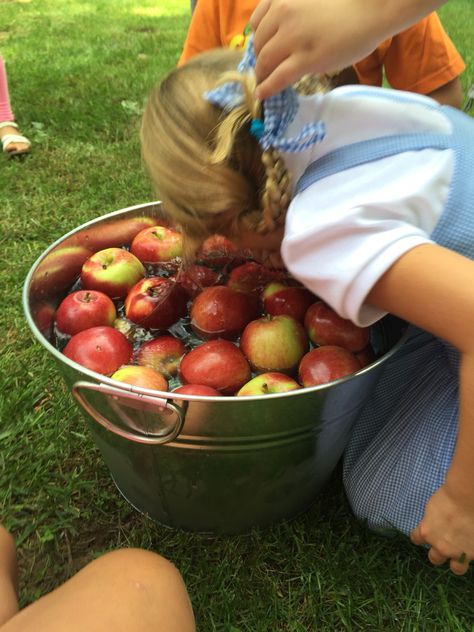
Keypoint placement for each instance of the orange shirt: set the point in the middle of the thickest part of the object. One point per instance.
(420, 59)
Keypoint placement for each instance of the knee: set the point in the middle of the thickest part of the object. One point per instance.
(139, 565)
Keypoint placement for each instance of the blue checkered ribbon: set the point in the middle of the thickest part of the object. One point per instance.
(278, 112)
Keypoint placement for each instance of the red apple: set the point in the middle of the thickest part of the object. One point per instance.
(84, 309)
(112, 271)
(219, 364)
(221, 312)
(156, 303)
(284, 299)
(325, 364)
(274, 343)
(156, 244)
(195, 277)
(326, 327)
(100, 349)
(216, 251)
(162, 354)
(197, 389)
(142, 376)
(252, 277)
(267, 383)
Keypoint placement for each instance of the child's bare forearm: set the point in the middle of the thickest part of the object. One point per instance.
(460, 476)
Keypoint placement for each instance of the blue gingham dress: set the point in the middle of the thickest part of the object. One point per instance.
(402, 443)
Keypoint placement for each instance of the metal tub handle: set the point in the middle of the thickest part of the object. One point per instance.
(137, 400)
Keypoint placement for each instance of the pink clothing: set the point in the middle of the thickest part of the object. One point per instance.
(6, 113)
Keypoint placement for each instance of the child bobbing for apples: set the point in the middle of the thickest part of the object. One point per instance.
(368, 195)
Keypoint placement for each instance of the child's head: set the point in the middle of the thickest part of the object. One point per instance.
(207, 168)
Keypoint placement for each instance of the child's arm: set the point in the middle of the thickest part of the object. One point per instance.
(317, 36)
(431, 287)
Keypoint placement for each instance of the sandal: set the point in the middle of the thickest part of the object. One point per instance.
(10, 139)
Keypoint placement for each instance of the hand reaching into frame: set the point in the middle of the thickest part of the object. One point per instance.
(296, 37)
(448, 528)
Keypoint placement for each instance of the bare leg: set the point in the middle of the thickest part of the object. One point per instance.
(8, 577)
(125, 591)
(7, 116)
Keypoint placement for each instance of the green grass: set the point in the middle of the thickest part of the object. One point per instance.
(79, 73)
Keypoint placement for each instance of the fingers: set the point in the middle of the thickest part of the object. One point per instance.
(436, 557)
(458, 564)
(458, 567)
(259, 13)
(277, 80)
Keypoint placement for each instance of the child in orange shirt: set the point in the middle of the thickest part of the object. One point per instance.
(421, 59)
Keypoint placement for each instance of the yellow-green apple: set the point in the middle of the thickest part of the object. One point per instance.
(113, 271)
(157, 243)
(267, 383)
(195, 277)
(197, 389)
(58, 270)
(156, 302)
(252, 277)
(325, 364)
(326, 327)
(101, 349)
(142, 376)
(219, 364)
(274, 343)
(221, 312)
(162, 354)
(294, 301)
(84, 309)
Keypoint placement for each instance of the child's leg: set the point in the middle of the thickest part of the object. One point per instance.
(13, 142)
(403, 441)
(6, 113)
(126, 591)
(8, 577)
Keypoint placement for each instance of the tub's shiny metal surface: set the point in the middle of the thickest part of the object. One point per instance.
(213, 464)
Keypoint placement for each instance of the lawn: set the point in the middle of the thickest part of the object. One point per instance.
(79, 73)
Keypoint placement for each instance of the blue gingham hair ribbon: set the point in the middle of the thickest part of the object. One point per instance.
(278, 112)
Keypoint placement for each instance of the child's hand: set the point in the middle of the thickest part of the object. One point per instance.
(448, 527)
(301, 36)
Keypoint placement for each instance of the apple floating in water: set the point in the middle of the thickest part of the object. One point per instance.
(156, 302)
(156, 244)
(100, 349)
(326, 327)
(274, 343)
(113, 271)
(162, 354)
(219, 364)
(268, 383)
(326, 364)
(84, 309)
(221, 312)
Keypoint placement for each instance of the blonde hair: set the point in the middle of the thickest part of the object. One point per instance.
(206, 167)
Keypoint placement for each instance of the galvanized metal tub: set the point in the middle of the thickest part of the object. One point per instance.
(211, 464)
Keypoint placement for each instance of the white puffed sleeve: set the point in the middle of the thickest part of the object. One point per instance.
(345, 231)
